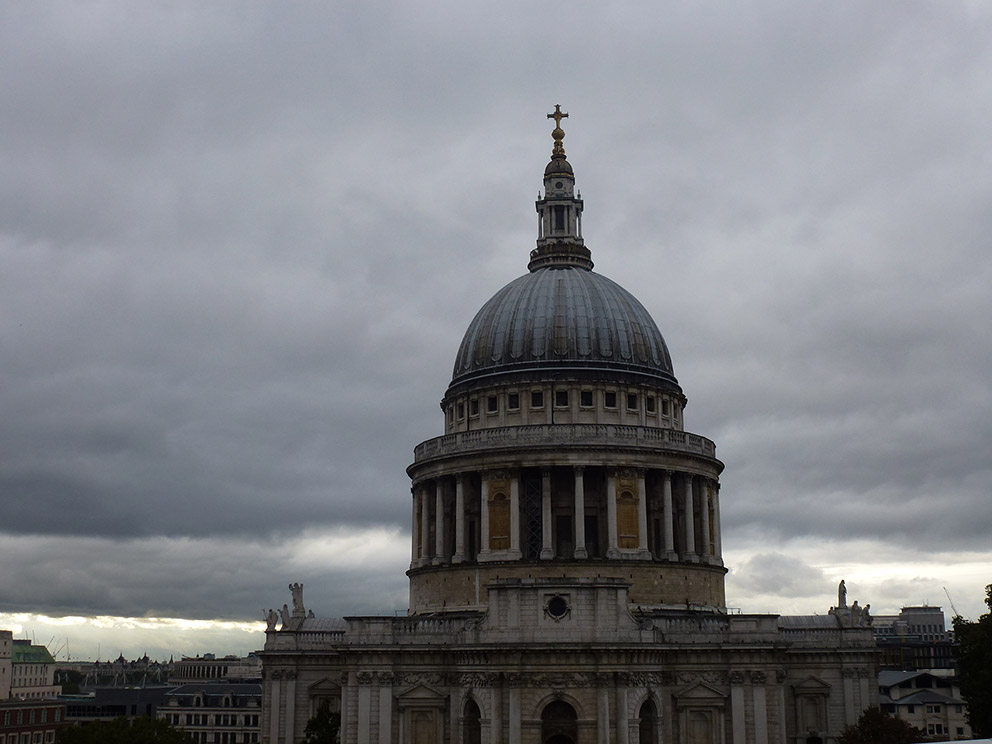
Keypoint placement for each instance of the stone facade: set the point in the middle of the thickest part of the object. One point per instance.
(6, 662)
(566, 571)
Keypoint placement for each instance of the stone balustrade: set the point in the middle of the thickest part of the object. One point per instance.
(829, 637)
(563, 435)
(471, 627)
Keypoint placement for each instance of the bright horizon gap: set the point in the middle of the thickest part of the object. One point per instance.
(106, 637)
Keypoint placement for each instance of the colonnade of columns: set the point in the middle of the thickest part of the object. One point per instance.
(618, 708)
(648, 514)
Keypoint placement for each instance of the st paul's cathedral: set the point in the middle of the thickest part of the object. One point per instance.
(566, 570)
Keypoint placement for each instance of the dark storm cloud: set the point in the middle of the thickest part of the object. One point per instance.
(240, 244)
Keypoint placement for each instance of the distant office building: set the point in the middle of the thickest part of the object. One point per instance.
(216, 712)
(108, 703)
(32, 672)
(930, 701)
(914, 639)
(30, 721)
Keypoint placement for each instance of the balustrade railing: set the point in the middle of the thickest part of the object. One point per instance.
(563, 435)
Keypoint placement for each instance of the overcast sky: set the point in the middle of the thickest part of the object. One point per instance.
(240, 242)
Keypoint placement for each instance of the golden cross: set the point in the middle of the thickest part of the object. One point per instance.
(558, 116)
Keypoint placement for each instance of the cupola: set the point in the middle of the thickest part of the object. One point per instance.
(559, 225)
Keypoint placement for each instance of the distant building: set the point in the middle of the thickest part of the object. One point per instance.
(108, 703)
(216, 712)
(32, 672)
(141, 672)
(30, 721)
(914, 639)
(208, 667)
(930, 701)
(6, 671)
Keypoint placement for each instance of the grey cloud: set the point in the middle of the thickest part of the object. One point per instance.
(780, 575)
(240, 249)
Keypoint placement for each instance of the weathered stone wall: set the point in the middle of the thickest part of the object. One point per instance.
(436, 589)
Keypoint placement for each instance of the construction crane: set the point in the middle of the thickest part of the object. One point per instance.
(955, 609)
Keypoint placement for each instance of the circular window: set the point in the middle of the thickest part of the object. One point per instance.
(557, 607)
(558, 185)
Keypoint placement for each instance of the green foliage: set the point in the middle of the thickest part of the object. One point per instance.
(974, 658)
(323, 727)
(877, 727)
(71, 680)
(142, 730)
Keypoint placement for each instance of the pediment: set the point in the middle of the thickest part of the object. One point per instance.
(812, 684)
(420, 692)
(325, 686)
(700, 692)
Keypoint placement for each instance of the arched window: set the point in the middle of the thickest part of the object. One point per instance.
(472, 723)
(648, 726)
(558, 723)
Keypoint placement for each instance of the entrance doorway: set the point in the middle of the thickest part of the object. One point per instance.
(559, 723)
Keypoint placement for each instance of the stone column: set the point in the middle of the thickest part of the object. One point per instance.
(456, 707)
(603, 712)
(415, 528)
(780, 677)
(275, 705)
(290, 706)
(580, 514)
(438, 522)
(704, 517)
(484, 516)
(737, 707)
(613, 550)
(459, 519)
(623, 726)
(496, 716)
(760, 707)
(690, 526)
(546, 550)
(425, 526)
(343, 731)
(364, 707)
(865, 685)
(851, 711)
(385, 707)
(514, 715)
(642, 516)
(717, 540)
(668, 517)
(515, 515)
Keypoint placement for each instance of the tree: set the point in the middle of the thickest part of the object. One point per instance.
(70, 680)
(877, 727)
(323, 727)
(974, 658)
(143, 730)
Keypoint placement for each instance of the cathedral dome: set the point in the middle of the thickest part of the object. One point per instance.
(562, 317)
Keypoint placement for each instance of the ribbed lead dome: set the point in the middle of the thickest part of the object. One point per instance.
(562, 317)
